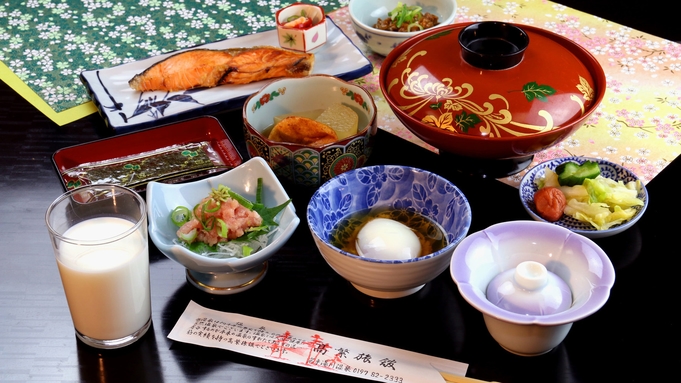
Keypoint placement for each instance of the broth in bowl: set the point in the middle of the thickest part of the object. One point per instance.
(369, 230)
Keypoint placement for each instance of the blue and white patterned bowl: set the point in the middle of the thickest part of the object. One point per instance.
(364, 15)
(398, 187)
(528, 186)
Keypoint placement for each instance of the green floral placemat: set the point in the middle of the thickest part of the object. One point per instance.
(47, 43)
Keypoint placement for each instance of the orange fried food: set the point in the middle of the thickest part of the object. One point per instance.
(304, 131)
(206, 68)
(550, 203)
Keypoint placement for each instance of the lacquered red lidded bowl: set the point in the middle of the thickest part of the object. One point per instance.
(491, 90)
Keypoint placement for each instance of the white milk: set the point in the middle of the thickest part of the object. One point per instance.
(107, 286)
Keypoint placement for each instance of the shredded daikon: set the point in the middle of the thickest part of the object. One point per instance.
(235, 248)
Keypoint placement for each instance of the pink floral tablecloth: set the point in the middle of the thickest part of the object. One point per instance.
(638, 124)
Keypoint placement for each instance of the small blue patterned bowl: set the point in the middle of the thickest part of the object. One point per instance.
(528, 186)
(398, 187)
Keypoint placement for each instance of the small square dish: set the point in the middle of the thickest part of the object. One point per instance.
(300, 27)
(125, 109)
(171, 153)
(529, 185)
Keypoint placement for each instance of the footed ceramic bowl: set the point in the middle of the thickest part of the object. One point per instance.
(528, 186)
(380, 187)
(577, 260)
(364, 14)
(214, 275)
(305, 165)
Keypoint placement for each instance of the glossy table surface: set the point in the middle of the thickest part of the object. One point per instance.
(633, 338)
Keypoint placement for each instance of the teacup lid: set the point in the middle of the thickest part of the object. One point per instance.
(492, 79)
(530, 289)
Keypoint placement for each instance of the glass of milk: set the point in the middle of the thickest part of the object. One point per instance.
(99, 236)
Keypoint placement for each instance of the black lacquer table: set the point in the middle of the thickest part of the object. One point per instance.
(633, 338)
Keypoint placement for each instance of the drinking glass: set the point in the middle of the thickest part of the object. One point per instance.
(99, 237)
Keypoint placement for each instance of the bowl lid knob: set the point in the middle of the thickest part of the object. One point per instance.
(531, 275)
(493, 45)
(530, 289)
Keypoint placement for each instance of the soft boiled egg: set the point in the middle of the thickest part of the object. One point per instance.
(386, 239)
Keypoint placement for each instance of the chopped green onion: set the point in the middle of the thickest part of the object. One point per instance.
(247, 250)
(404, 13)
(209, 223)
(256, 228)
(180, 215)
(205, 208)
(241, 200)
(224, 229)
(223, 192)
(188, 237)
(258, 192)
(414, 24)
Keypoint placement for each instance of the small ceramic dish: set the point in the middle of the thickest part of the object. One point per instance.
(303, 164)
(378, 188)
(528, 186)
(214, 275)
(364, 15)
(301, 37)
(576, 260)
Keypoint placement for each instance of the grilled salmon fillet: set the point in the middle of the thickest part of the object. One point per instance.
(260, 63)
(206, 68)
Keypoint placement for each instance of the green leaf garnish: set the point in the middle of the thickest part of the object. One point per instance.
(533, 90)
(201, 247)
(268, 214)
(466, 121)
